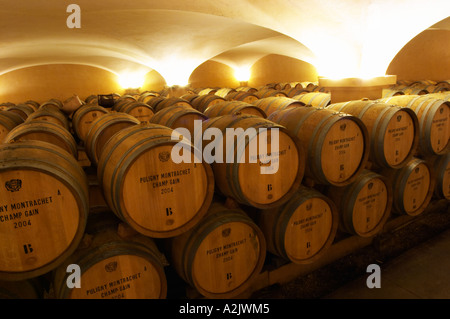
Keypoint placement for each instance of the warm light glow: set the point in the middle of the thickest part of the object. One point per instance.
(176, 69)
(132, 79)
(242, 74)
(364, 48)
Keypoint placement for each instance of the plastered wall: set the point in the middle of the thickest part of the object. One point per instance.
(426, 57)
(60, 81)
(278, 68)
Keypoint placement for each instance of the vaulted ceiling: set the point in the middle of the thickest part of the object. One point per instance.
(173, 37)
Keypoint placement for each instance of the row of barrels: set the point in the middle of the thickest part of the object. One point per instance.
(228, 253)
(417, 88)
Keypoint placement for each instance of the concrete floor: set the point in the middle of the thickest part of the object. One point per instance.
(422, 272)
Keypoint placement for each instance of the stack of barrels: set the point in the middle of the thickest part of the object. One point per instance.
(205, 186)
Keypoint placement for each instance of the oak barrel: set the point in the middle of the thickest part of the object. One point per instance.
(6, 124)
(146, 96)
(53, 115)
(413, 186)
(272, 104)
(393, 130)
(202, 102)
(364, 205)
(83, 118)
(267, 92)
(233, 107)
(140, 110)
(247, 89)
(171, 101)
(318, 99)
(122, 100)
(23, 110)
(102, 129)
(295, 91)
(146, 188)
(302, 229)
(441, 166)
(44, 131)
(257, 163)
(178, 116)
(247, 97)
(434, 121)
(222, 255)
(115, 263)
(441, 95)
(336, 144)
(223, 92)
(44, 207)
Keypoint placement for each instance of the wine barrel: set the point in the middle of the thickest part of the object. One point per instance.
(44, 208)
(21, 109)
(247, 89)
(83, 118)
(393, 130)
(222, 255)
(91, 99)
(336, 144)
(202, 102)
(6, 124)
(364, 205)
(114, 264)
(34, 105)
(137, 163)
(295, 91)
(154, 101)
(189, 97)
(302, 229)
(272, 104)
(102, 129)
(412, 185)
(444, 83)
(122, 100)
(243, 170)
(441, 165)
(241, 96)
(434, 121)
(50, 115)
(272, 86)
(234, 107)
(223, 92)
(207, 91)
(267, 92)
(285, 86)
(178, 116)
(46, 132)
(414, 90)
(140, 110)
(146, 96)
(318, 99)
(442, 96)
(391, 92)
(309, 85)
(435, 88)
(171, 101)
(16, 118)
